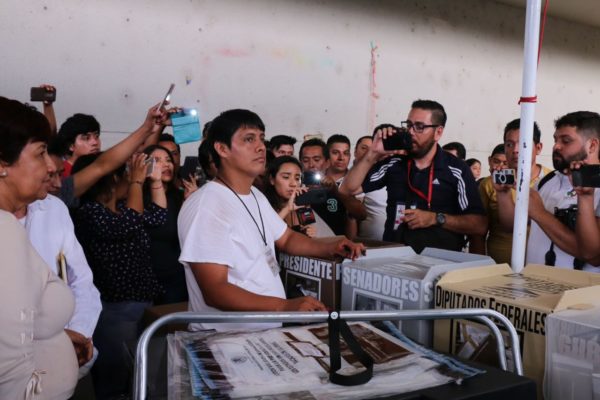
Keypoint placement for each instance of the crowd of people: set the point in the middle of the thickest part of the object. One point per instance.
(94, 237)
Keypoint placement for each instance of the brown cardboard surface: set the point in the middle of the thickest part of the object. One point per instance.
(525, 299)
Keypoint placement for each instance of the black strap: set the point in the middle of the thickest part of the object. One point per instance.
(545, 179)
(337, 326)
(550, 258)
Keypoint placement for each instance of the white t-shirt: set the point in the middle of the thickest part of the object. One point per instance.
(214, 227)
(557, 192)
(373, 226)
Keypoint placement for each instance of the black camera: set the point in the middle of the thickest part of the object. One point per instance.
(400, 140)
(312, 178)
(504, 177)
(42, 94)
(586, 176)
(567, 216)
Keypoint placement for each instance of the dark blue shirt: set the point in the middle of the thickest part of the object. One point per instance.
(454, 192)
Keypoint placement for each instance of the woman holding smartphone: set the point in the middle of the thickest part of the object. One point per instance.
(111, 225)
(164, 242)
(283, 186)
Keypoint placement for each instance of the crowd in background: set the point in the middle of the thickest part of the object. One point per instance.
(105, 221)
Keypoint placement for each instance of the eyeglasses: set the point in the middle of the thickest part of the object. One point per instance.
(418, 127)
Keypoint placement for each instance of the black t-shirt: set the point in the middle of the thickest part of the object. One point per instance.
(333, 213)
(454, 192)
(165, 251)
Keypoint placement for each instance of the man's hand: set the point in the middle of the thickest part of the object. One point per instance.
(84, 348)
(347, 249)
(416, 219)
(305, 303)
(328, 183)
(377, 150)
(580, 190)
(536, 205)
(48, 88)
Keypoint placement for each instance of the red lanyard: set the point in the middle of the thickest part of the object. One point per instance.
(417, 191)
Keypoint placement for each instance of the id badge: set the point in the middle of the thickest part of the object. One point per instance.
(400, 207)
(272, 261)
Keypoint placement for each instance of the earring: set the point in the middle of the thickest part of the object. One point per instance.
(4, 174)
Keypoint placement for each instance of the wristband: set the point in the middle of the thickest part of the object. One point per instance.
(156, 187)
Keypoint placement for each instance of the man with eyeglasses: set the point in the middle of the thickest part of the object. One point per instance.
(432, 196)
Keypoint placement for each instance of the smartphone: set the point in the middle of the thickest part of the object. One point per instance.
(150, 164)
(401, 140)
(586, 176)
(167, 96)
(313, 196)
(312, 178)
(41, 94)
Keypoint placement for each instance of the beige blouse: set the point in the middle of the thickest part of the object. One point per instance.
(37, 359)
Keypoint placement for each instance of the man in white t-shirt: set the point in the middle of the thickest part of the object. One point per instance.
(552, 238)
(228, 232)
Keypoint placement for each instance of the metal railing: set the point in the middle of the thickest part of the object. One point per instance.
(482, 315)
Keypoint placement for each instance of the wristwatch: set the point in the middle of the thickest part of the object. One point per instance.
(440, 219)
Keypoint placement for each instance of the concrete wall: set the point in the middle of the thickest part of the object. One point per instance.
(304, 65)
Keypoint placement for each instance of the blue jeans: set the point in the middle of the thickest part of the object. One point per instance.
(118, 325)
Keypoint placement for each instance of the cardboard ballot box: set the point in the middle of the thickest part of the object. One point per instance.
(318, 277)
(400, 279)
(573, 355)
(525, 298)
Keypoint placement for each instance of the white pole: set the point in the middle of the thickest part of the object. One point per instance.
(532, 34)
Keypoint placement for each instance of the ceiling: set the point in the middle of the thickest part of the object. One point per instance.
(581, 11)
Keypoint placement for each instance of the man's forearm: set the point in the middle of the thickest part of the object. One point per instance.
(110, 160)
(301, 245)
(468, 224)
(51, 117)
(353, 180)
(506, 211)
(229, 297)
(353, 207)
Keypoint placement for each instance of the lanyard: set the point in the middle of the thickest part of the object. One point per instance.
(430, 186)
(263, 233)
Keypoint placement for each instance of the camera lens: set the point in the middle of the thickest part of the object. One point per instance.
(502, 179)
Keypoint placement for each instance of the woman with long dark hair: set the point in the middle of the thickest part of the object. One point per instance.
(112, 227)
(164, 242)
(283, 184)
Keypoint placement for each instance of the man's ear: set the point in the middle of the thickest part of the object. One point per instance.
(437, 135)
(538, 148)
(594, 146)
(222, 149)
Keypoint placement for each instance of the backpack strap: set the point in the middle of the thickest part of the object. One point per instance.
(546, 178)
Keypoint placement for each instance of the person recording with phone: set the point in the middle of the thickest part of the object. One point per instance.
(432, 195)
(164, 246)
(554, 202)
(496, 194)
(283, 187)
(339, 210)
(111, 225)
